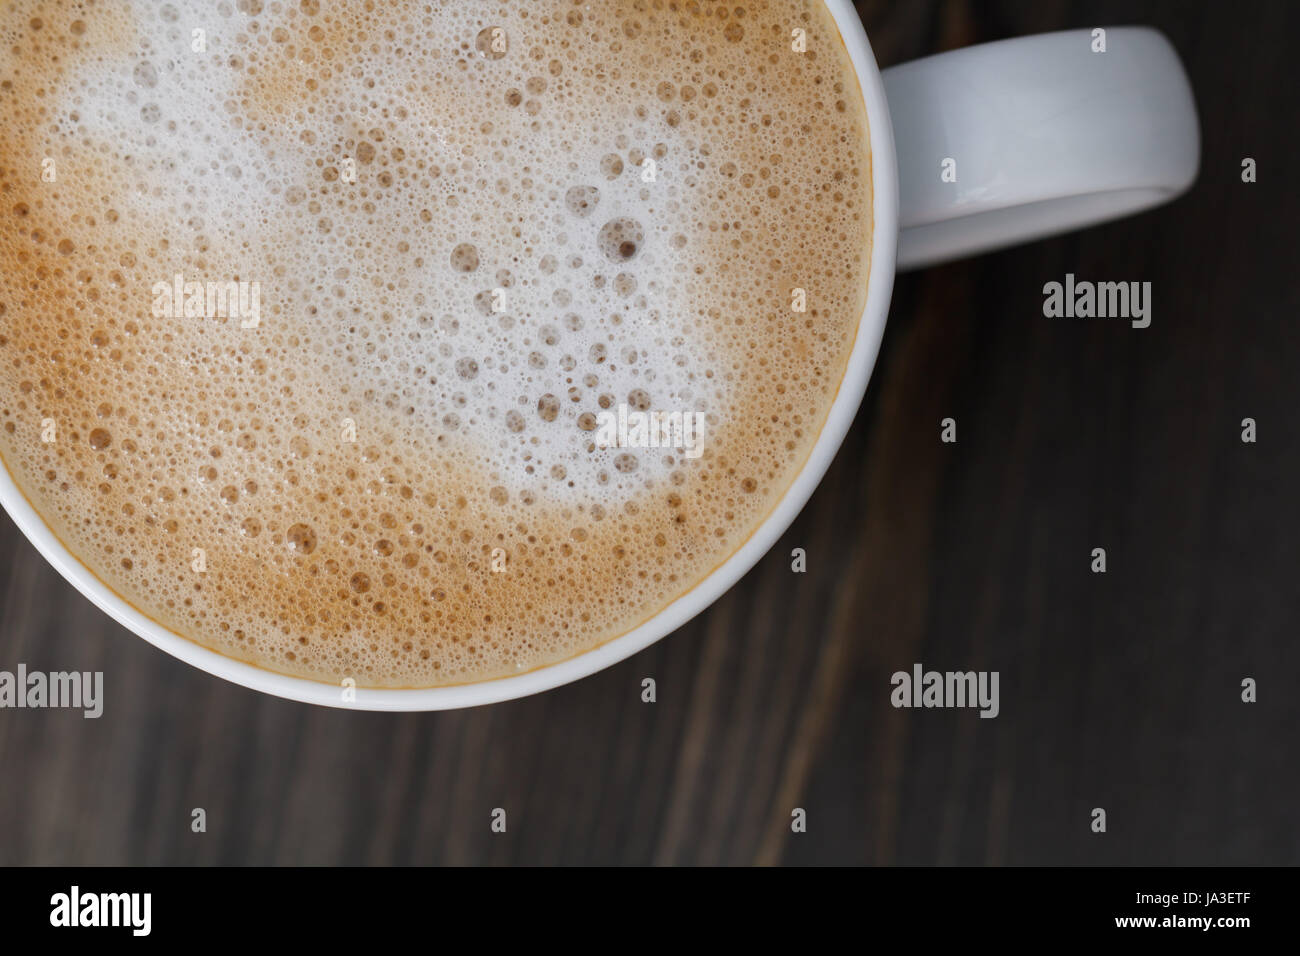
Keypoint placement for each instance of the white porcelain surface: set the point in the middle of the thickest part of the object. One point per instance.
(1047, 136)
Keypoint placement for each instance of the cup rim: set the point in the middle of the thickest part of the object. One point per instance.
(861, 362)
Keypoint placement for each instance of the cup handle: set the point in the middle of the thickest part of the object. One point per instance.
(1011, 141)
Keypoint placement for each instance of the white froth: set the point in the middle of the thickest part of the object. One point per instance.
(546, 313)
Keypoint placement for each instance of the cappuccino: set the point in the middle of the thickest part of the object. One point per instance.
(311, 311)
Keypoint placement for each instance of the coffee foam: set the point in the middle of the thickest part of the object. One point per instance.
(463, 259)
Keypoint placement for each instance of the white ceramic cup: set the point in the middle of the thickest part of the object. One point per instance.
(1047, 135)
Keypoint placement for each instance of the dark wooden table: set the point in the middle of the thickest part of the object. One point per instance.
(1120, 691)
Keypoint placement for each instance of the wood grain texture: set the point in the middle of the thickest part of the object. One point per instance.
(1118, 690)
